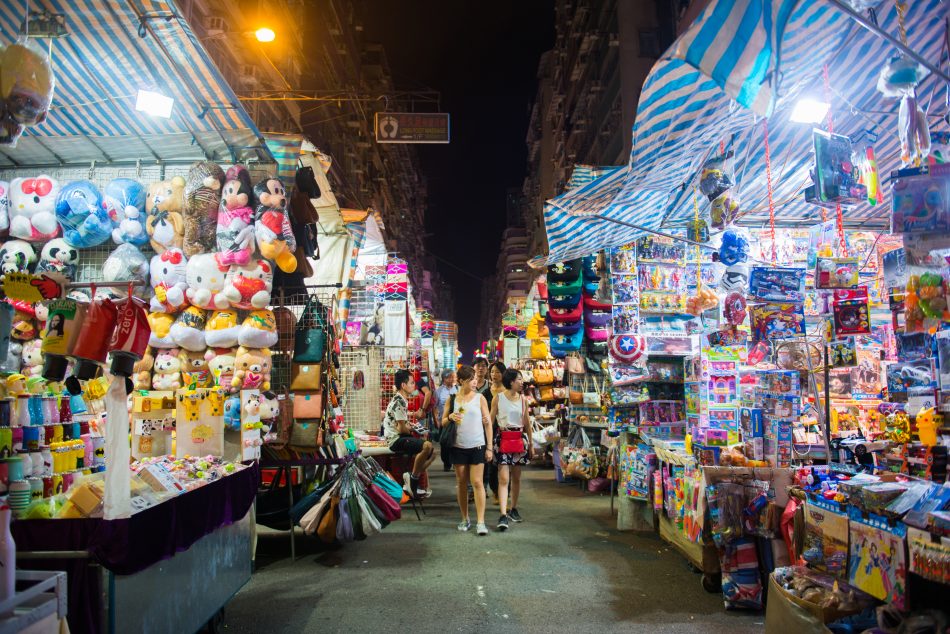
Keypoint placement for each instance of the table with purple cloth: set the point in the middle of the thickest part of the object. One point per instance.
(128, 546)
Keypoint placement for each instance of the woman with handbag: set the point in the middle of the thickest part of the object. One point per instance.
(495, 387)
(512, 448)
(469, 411)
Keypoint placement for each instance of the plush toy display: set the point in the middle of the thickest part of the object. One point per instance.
(195, 372)
(167, 273)
(4, 208)
(12, 361)
(126, 264)
(232, 412)
(258, 330)
(249, 286)
(270, 407)
(32, 208)
(275, 236)
(161, 325)
(221, 365)
(124, 201)
(58, 257)
(202, 198)
(235, 227)
(142, 371)
(167, 373)
(32, 357)
(16, 256)
(82, 215)
(26, 88)
(252, 369)
(188, 331)
(222, 330)
(164, 223)
(206, 279)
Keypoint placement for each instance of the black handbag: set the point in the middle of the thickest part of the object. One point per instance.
(310, 335)
(447, 437)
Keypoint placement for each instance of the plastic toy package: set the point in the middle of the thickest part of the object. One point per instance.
(834, 176)
(771, 321)
(623, 260)
(777, 284)
(877, 563)
(826, 538)
(921, 200)
(660, 249)
(836, 272)
(925, 302)
(914, 346)
(843, 353)
(661, 302)
(852, 318)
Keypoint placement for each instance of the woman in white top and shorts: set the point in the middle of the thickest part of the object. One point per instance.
(509, 410)
(469, 411)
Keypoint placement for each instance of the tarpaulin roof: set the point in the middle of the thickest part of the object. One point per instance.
(100, 67)
(743, 60)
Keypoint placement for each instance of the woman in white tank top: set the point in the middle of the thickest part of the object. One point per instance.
(509, 410)
(468, 409)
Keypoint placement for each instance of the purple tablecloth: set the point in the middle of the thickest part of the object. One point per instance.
(131, 545)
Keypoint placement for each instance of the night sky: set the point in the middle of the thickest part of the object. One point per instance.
(483, 58)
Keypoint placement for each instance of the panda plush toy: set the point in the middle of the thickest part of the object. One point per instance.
(58, 257)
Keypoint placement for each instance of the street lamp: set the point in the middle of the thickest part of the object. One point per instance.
(264, 34)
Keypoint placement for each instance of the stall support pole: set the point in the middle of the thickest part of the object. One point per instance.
(827, 425)
(842, 5)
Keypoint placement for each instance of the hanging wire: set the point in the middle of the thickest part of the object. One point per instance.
(768, 184)
(839, 217)
(901, 7)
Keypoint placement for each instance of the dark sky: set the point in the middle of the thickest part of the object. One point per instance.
(483, 58)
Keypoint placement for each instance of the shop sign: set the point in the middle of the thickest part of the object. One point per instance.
(34, 288)
(412, 127)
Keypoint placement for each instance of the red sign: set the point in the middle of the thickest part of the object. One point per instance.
(412, 127)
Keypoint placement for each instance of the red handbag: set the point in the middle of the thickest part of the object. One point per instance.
(511, 442)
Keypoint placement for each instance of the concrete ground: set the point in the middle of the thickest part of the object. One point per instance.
(565, 569)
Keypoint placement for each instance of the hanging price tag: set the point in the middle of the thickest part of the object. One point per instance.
(34, 288)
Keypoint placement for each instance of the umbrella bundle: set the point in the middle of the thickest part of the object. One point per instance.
(360, 500)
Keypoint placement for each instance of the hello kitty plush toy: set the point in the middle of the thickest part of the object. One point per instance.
(32, 208)
(250, 286)
(275, 236)
(124, 201)
(167, 273)
(16, 256)
(58, 257)
(206, 280)
(167, 370)
(235, 230)
(32, 358)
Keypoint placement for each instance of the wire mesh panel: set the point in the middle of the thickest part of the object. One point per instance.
(409, 358)
(361, 387)
(296, 302)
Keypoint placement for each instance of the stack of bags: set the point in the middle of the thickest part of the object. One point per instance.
(565, 318)
(597, 311)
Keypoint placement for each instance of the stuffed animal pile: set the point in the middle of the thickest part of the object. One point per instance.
(216, 238)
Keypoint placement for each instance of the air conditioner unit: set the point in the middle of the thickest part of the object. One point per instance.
(215, 25)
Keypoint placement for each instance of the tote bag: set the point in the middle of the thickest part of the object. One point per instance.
(309, 334)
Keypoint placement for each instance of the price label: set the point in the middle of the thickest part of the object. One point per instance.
(34, 288)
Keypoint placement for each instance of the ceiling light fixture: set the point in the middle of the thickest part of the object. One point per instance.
(809, 110)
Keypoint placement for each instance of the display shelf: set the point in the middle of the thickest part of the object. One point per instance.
(39, 606)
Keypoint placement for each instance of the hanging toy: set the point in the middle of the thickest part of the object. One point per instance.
(734, 248)
(900, 78)
(872, 182)
(715, 183)
(705, 299)
(734, 308)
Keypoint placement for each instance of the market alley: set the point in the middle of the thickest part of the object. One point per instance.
(566, 568)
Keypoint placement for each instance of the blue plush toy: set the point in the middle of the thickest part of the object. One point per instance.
(232, 412)
(735, 247)
(80, 212)
(124, 200)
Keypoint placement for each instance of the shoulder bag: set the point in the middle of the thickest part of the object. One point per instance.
(310, 333)
(327, 529)
(448, 435)
(512, 441)
(574, 364)
(308, 405)
(543, 376)
(306, 376)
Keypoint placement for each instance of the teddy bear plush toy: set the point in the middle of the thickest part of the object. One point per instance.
(167, 273)
(206, 280)
(32, 358)
(82, 215)
(164, 223)
(235, 222)
(142, 371)
(275, 236)
(58, 257)
(258, 330)
(252, 369)
(161, 325)
(222, 330)
(202, 198)
(167, 371)
(124, 201)
(32, 208)
(221, 365)
(249, 286)
(188, 331)
(16, 256)
(194, 369)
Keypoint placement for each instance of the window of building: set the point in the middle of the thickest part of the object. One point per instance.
(649, 43)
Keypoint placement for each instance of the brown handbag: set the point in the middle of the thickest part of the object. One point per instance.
(543, 376)
(307, 434)
(327, 529)
(285, 422)
(286, 324)
(306, 377)
(308, 406)
(547, 392)
(577, 398)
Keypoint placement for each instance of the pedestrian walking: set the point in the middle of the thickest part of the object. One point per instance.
(469, 411)
(495, 387)
(512, 447)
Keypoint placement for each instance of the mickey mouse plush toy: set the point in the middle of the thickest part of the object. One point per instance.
(275, 236)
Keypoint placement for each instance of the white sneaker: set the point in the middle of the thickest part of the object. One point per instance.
(423, 493)
(406, 485)
(481, 529)
(463, 526)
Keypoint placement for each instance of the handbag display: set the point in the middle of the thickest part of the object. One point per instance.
(560, 289)
(547, 393)
(306, 376)
(327, 529)
(574, 364)
(390, 486)
(526, 376)
(560, 393)
(539, 349)
(307, 434)
(592, 303)
(310, 335)
(597, 318)
(511, 442)
(286, 323)
(569, 328)
(563, 315)
(561, 345)
(308, 405)
(577, 398)
(598, 334)
(564, 272)
(543, 376)
(566, 300)
(284, 426)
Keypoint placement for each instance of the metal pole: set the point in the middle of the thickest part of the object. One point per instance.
(873, 28)
(827, 424)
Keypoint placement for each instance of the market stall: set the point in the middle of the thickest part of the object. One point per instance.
(775, 260)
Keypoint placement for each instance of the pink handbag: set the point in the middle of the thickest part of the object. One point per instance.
(390, 509)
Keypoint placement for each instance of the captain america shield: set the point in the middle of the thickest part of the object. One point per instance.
(627, 349)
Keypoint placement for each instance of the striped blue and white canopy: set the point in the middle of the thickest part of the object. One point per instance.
(742, 61)
(100, 67)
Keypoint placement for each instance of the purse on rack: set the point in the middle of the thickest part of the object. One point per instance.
(577, 398)
(327, 529)
(547, 393)
(306, 376)
(308, 405)
(573, 364)
(285, 422)
(539, 349)
(543, 376)
(560, 393)
(307, 434)
(309, 335)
